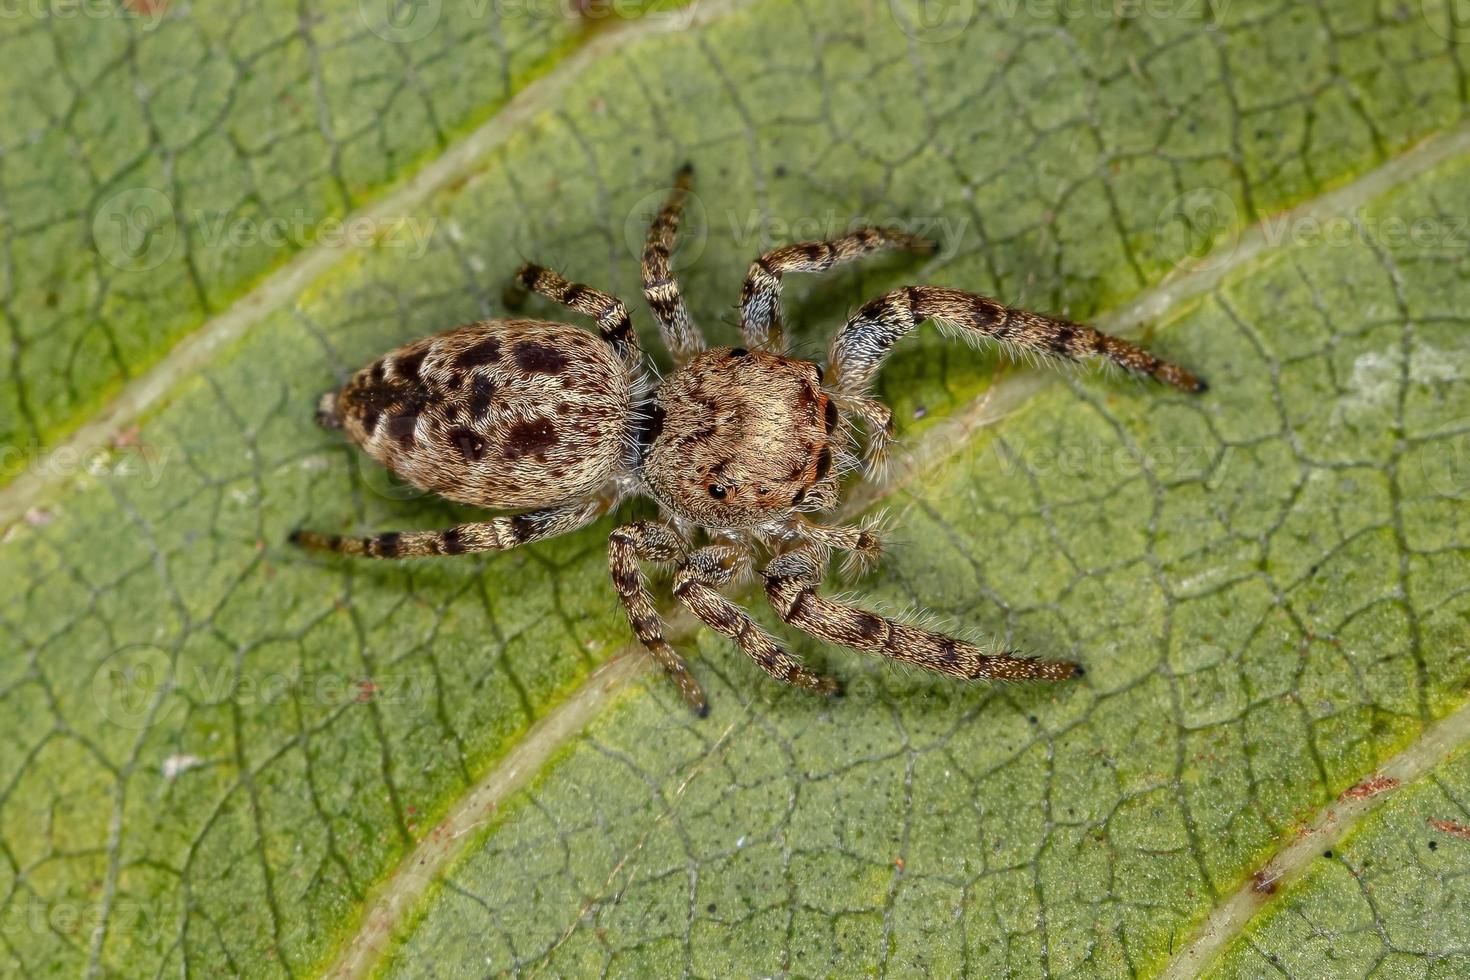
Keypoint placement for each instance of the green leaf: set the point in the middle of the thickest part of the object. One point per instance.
(223, 755)
(158, 162)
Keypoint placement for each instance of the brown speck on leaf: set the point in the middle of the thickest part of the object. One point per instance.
(1452, 827)
(365, 691)
(1371, 786)
(125, 438)
(1263, 882)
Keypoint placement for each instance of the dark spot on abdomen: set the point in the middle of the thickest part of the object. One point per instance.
(471, 444)
(530, 438)
(482, 390)
(401, 428)
(538, 358)
(407, 366)
(486, 351)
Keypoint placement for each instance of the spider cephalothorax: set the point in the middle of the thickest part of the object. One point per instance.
(739, 437)
(742, 444)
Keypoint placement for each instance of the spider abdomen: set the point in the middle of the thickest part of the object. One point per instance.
(497, 414)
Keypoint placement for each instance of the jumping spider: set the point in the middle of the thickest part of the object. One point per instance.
(740, 443)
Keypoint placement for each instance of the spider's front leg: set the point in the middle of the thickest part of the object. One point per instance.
(861, 542)
(877, 423)
(660, 544)
(660, 288)
(861, 346)
(696, 583)
(792, 580)
(760, 298)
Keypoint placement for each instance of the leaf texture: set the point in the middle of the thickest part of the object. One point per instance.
(222, 755)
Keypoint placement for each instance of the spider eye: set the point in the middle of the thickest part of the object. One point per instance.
(717, 491)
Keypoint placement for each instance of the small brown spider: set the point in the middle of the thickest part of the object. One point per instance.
(740, 443)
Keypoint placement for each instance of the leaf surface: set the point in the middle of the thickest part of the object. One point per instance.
(223, 755)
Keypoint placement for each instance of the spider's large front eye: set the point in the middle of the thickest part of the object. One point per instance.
(717, 491)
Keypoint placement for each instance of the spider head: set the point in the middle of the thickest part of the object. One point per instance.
(739, 438)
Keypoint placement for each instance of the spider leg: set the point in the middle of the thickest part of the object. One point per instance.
(497, 534)
(696, 583)
(862, 542)
(652, 542)
(665, 299)
(861, 346)
(611, 315)
(760, 297)
(877, 422)
(327, 414)
(791, 586)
